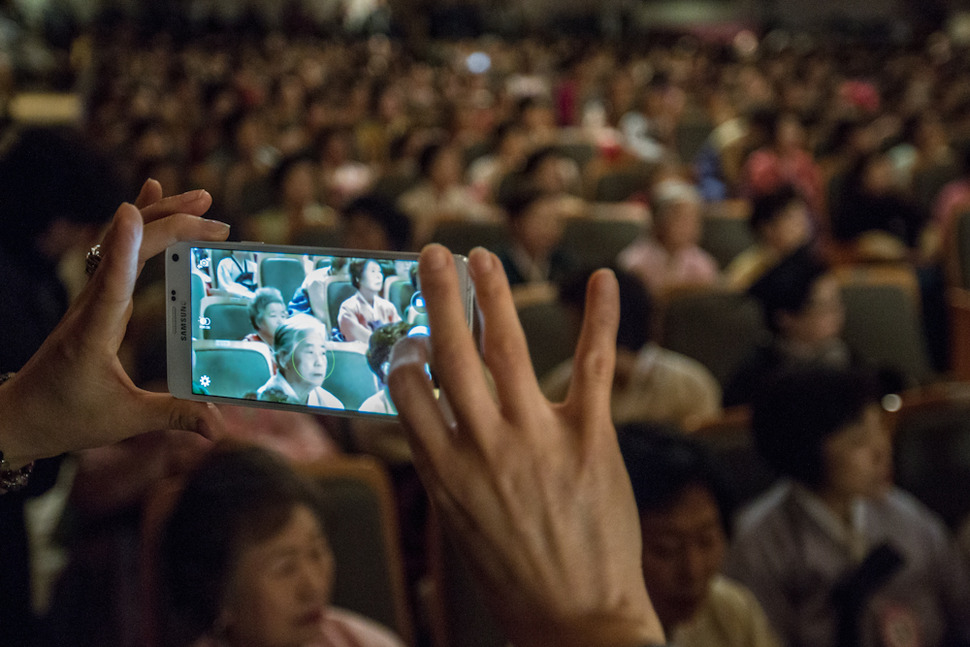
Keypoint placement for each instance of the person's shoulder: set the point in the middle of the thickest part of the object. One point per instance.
(325, 398)
(766, 511)
(903, 509)
(348, 629)
(683, 365)
(737, 610)
(377, 403)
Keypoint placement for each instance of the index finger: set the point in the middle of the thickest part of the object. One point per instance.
(151, 192)
(181, 226)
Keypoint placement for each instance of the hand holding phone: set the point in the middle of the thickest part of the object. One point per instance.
(307, 329)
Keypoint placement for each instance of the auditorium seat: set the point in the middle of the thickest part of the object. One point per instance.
(725, 237)
(730, 439)
(338, 290)
(225, 317)
(718, 328)
(596, 242)
(361, 523)
(348, 376)
(232, 369)
(883, 319)
(932, 448)
(198, 292)
(546, 324)
(286, 274)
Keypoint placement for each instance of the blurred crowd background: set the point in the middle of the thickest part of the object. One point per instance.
(666, 139)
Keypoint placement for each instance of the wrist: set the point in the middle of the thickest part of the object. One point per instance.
(602, 631)
(14, 470)
(16, 453)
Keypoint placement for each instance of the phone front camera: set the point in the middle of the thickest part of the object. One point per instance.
(175, 257)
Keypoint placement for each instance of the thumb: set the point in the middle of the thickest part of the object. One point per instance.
(162, 411)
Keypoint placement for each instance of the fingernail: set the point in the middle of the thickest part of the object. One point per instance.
(215, 226)
(434, 257)
(480, 260)
(192, 196)
(409, 350)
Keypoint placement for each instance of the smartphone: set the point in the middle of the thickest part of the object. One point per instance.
(293, 328)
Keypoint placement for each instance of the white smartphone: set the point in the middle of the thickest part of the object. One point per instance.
(296, 328)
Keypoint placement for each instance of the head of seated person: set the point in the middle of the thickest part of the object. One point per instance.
(244, 558)
(823, 428)
(677, 221)
(442, 165)
(300, 350)
(685, 504)
(267, 311)
(372, 222)
(379, 360)
(535, 220)
(780, 221)
(367, 276)
(802, 305)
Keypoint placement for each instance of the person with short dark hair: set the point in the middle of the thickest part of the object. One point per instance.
(685, 506)
(781, 225)
(534, 253)
(835, 554)
(373, 222)
(245, 560)
(361, 314)
(802, 306)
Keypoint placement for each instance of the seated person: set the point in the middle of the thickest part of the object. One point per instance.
(533, 253)
(685, 511)
(802, 306)
(835, 554)
(236, 273)
(373, 222)
(245, 561)
(781, 225)
(300, 350)
(649, 382)
(266, 312)
(378, 358)
(671, 257)
(366, 310)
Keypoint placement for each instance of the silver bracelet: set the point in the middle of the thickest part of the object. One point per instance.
(12, 480)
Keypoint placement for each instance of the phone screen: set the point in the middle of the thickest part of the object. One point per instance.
(281, 328)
